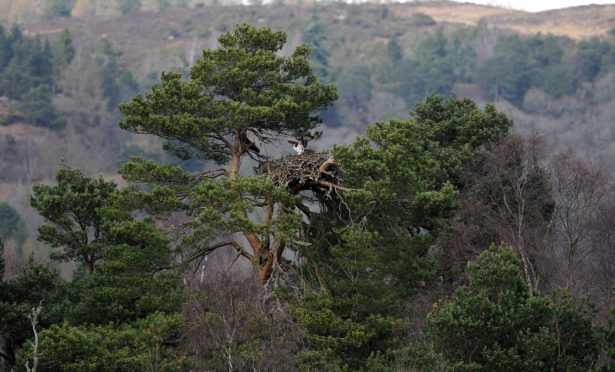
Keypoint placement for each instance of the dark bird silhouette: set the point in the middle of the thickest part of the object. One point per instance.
(247, 144)
(300, 145)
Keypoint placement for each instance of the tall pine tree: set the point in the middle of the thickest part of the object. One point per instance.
(237, 94)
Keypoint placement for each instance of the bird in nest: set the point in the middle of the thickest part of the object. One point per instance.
(300, 145)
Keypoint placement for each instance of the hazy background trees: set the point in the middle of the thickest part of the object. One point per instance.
(429, 192)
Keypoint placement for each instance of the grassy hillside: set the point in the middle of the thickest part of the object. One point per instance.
(577, 23)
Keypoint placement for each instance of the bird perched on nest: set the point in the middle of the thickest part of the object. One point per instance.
(300, 145)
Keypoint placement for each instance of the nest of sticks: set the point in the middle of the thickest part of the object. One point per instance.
(309, 171)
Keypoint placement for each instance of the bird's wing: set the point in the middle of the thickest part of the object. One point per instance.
(293, 142)
(305, 139)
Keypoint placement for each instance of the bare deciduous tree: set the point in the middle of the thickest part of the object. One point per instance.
(604, 259)
(231, 326)
(506, 199)
(36, 312)
(584, 194)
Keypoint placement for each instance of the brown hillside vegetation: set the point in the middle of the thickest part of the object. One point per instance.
(577, 22)
(155, 39)
(28, 153)
(21, 11)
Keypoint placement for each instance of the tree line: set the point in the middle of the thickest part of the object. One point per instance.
(438, 60)
(347, 250)
(434, 63)
(27, 75)
(33, 73)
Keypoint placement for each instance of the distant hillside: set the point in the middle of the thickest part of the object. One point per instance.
(576, 23)
(350, 49)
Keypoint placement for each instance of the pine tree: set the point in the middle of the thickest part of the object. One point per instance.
(404, 176)
(12, 225)
(37, 108)
(6, 50)
(74, 212)
(64, 51)
(495, 323)
(240, 93)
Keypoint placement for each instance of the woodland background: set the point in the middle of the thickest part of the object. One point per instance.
(65, 66)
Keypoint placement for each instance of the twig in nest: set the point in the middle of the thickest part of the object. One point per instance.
(314, 171)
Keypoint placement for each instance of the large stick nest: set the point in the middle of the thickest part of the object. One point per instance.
(309, 171)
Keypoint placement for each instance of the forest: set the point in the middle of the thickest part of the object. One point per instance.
(439, 236)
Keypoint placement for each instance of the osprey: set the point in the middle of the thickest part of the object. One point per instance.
(301, 143)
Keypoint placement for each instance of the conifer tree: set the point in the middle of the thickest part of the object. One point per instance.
(404, 176)
(239, 94)
(73, 210)
(5, 49)
(12, 225)
(64, 51)
(495, 323)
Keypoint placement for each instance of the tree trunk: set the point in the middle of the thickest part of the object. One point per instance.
(234, 165)
(273, 257)
(89, 267)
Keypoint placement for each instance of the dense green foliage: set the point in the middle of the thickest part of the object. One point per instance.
(2, 268)
(131, 282)
(116, 83)
(609, 344)
(315, 36)
(113, 347)
(19, 295)
(437, 62)
(74, 209)
(596, 58)
(129, 6)
(355, 89)
(134, 151)
(259, 91)
(520, 64)
(241, 92)
(64, 51)
(26, 63)
(422, 19)
(58, 8)
(113, 318)
(496, 323)
(38, 109)
(344, 265)
(27, 73)
(406, 174)
(11, 224)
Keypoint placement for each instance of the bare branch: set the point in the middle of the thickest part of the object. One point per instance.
(212, 248)
(34, 322)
